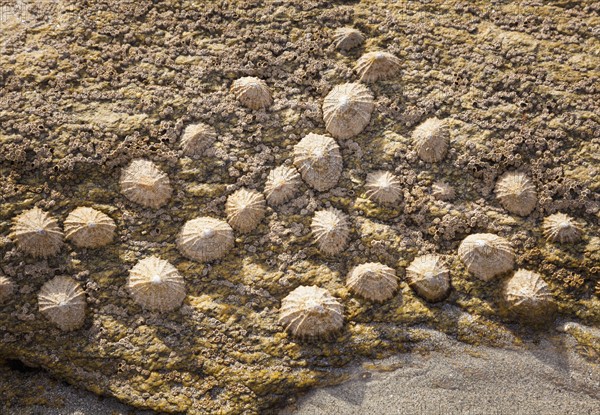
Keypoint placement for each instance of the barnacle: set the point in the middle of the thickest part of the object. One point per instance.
(197, 138)
(373, 281)
(528, 295)
(245, 209)
(383, 187)
(331, 231)
(347, 110)
(155, 284)
(431, 140)
(37, 233)
(442, 191)
(311, 312)
(346, 38)
(486, 255)
(282, 184)
(561, 228)
(319, 161)
(428, 276)
(62, 301)
(516, 193)
(7, 287)
(144, 183)
(373, 66)
(89, 228)
(252, 92)
(205, 239)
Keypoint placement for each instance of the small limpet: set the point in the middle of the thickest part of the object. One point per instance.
(347, 110)
(37, 233)
(245, 209)
(516, 193)
(252, 92)
(319, 161)
(346, 38)
(282, 184)
(428, 276)
(373, 281)
(7, 287)
(331, 230)
(197, 138)
(383, 187)
(205, 239)
(373, 66)
(89, 228)
(144, 183)
(562, 228)
(431, 140)
(62, 301)
(528, 296)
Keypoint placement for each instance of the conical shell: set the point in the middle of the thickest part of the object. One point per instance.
(428, 276)
(205, 239)
(319, 161)
(516, 193)
(245, 209)
(442, 191)
(383, 187)
(486, 255)
(62, 301)
(156, 285)
(347, 110)
(431, 140)
(196, 139)
(374, 66)
(37, 233)
(373, 281)
(311, 312)
(528, 296)
(89, 228)
(282, 184)
(561, 228)
(331, 230)
(252, 92)
(144, 183)
(7, 287)
(346, 38)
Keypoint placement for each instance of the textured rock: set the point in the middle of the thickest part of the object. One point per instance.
(7, 288)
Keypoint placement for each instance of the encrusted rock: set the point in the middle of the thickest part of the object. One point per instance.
(561, 228)
(331, 231)
(196, 139)
(311, 312)
(442, 191)
(205, 239)
(245, 209)
(373, 66)
(516, 193)
(7, 287)
(528, 296)
(282, 184)
(144, 183)
(486, 255)
(428, 276)
(383, 187)
(62, 301)
(346, 38)
(156, 285)
(347, 110)
(37, 233)
(373, 281)
(89, 228)
(319, 161)
(252, 92)
(431, 140)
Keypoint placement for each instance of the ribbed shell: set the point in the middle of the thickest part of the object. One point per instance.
(516, 193)
(528, 295)
(346, 38)
(245, 209)
(89, 228)
(486, 255)
(431, 140)
(62, 301)
(428, 276)
(331, 230)
(282, 184)
(318, 159)
(252, 92)
(205, 239)
(144, 183)
(311, 312)
(562, 228)
(156, 285)
(7, 287)
(383, 187)
(197, 138)
(347, 110)
(442, 191)
(373, 66)
(373, 281)
(37, 233)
